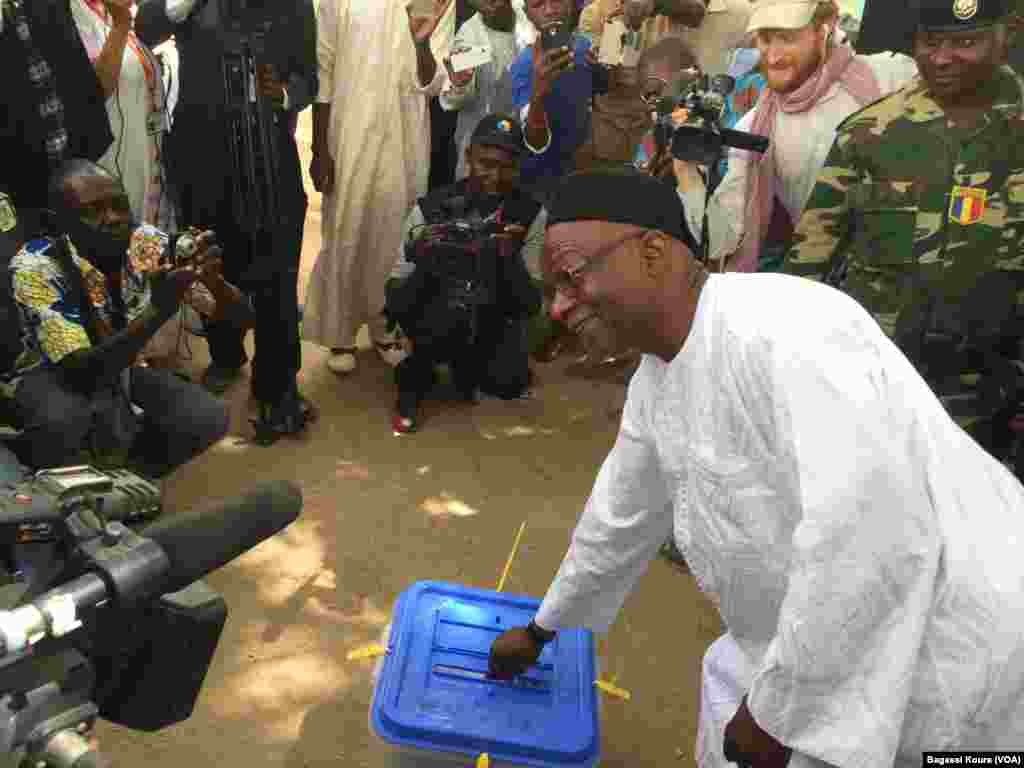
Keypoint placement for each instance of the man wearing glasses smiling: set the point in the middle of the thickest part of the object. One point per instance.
(862, 551)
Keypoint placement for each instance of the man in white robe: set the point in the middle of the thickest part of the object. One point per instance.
(371, 158)
(863, 551)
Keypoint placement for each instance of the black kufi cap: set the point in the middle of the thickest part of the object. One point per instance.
(621, 198)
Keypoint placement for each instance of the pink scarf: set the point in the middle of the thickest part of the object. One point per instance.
(841, 66)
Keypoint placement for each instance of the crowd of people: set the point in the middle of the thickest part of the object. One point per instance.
(829, 449)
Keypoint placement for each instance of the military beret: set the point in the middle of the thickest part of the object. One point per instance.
(955, 15)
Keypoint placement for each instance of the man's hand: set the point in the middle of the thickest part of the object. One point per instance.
(548, 66)
(459, 79)
(422, 27)
(169, 287)
(748, 745)
(512, 653)
(268, 84)
(120, 13)
(321, 168)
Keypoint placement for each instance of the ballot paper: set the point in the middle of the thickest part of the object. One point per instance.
(620, 45)
(470, 57)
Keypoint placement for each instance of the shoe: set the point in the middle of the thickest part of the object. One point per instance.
(342, 360)
(289, 417)
(218, 379)
(404, 421)
(403, 425)
(391, 352)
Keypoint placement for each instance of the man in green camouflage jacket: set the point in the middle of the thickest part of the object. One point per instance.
(919, 213)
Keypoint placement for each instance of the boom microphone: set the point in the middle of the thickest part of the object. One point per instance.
(126, 568)
(198, 542)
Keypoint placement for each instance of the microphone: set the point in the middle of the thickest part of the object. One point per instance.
(198, 542)
(166, 557)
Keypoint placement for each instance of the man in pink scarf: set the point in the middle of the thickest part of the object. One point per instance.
(814, 83)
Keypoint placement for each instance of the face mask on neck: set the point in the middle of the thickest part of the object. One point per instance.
(104, 248)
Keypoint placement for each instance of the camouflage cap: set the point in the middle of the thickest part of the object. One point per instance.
(955, 15)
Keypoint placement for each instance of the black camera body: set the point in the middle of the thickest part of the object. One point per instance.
(139, 662)
(701, 139)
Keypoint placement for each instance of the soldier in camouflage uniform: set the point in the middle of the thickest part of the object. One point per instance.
(919, 214)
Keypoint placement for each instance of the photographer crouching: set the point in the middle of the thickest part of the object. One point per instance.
(221, 172)
(72, 385)
(461, 289)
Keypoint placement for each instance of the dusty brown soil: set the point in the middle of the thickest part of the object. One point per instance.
(382, 512)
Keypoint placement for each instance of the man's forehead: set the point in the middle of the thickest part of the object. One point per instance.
(567, 237)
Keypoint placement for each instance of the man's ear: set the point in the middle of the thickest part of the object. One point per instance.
(656, 252)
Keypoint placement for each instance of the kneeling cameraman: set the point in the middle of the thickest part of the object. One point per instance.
(461, 289)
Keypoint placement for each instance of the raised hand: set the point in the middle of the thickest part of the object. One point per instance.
(120, 12)
(422, 27)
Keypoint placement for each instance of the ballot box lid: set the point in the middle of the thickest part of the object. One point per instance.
(433, 691)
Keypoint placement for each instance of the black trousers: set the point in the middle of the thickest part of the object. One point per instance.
(496, 363)
(265, 266)
(180, 420)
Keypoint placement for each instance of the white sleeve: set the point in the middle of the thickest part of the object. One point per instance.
(178, 10)
(533, 246)
(326, 42)
(864, 555)
(625, 521)
(727, 209)
(403, 267)
(893, 70)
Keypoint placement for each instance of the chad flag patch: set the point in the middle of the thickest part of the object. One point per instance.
(967, 204)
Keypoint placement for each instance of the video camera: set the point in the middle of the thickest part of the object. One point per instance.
(701, 138)
(129, 631)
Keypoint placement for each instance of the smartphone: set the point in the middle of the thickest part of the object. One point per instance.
(557, 35)
(470, 57)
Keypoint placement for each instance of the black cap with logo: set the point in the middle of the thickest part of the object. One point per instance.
(956, 15)
(499, 130)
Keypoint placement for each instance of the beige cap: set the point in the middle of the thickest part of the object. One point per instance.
(781, 14)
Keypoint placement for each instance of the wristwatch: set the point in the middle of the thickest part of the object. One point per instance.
(540, 636)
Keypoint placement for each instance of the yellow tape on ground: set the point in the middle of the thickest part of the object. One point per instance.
(511, 557)
(613, 690)
(367, 652)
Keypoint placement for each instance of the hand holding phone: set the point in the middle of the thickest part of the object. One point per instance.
(556, 35)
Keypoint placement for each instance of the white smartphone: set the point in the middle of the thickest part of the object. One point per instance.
(470, 57)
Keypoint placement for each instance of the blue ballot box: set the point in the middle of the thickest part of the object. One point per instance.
(434, 702)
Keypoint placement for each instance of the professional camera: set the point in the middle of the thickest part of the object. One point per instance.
(462, 252)
(129, 631)
(701, 139)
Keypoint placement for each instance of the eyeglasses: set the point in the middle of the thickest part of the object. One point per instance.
(567, 281)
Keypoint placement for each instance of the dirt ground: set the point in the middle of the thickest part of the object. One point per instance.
(382, 512)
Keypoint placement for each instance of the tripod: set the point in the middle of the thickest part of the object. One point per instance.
(255, 174)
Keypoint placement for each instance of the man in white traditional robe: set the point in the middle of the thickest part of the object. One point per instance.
(371, 158)
(863, 551)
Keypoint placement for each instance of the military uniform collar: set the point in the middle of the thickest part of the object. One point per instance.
(920, 107)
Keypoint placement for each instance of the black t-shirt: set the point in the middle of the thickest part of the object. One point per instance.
(24, 166)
